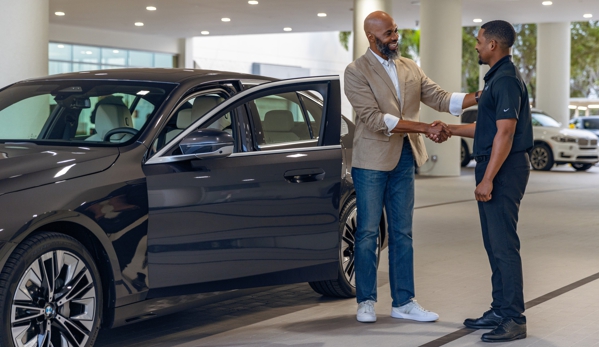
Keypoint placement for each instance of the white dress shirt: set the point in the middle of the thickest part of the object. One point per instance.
(455, 103)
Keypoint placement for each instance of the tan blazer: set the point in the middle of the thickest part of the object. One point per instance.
(372, 95)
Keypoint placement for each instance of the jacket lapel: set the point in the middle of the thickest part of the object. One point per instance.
(380, 70)
(402, 79)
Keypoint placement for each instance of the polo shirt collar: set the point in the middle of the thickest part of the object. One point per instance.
(497, 65)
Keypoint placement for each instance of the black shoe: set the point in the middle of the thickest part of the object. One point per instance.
(489, 320)
(508, 330)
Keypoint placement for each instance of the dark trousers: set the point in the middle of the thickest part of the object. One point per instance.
(499, 220)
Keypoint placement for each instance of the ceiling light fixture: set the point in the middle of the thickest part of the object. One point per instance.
(593, 106)
(151, 8)
(322, 14)
(225, 19)
(477, 20)
(59, 13)
(139, 24)
(60, 46)
(572, 107)
(287, 29)
(588, 15)
(547, 3)
(115, 51)
(205, 32)
(253, 2)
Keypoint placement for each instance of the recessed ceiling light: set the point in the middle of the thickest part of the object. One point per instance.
(115, 51)
(59, 13)
(588, 15)
(139, 24)
(60, 46)
(225, 19)
(287, 29)
(593, 106)
(205, 32)
(322, 14)
(572, 107)
(151, 8)
(582, 108)
(253, 2)
(547, 3)
(477, 20)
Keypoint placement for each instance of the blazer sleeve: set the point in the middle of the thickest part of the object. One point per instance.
(362, 99)
(432, 95)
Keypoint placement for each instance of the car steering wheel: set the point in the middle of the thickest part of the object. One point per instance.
(125, 130)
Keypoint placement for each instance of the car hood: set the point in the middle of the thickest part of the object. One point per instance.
(27, 165)
(576, 133)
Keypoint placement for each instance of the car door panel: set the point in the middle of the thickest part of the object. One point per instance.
(251, 219)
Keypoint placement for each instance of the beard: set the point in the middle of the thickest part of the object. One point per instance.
(385, 50)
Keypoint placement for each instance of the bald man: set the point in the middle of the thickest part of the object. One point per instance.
(385, 91)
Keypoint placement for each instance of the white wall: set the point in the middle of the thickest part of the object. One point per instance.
(321, 53)
(107, 38)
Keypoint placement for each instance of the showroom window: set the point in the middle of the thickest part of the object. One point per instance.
(65, 57)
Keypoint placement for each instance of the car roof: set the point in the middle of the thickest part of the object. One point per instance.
(169, 75)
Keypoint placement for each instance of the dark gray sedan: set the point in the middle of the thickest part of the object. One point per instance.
(123, 190)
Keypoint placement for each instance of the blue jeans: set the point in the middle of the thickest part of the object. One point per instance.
(393, 190)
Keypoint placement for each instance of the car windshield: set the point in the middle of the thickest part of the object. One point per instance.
(78, 111)
(590, 123)
(544, 120)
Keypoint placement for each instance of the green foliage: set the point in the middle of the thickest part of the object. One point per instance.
(344, 39)
(409, 43)
(470, 67)
(584, 72)
(524, 55)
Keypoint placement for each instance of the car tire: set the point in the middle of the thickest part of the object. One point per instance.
(345, 284)
(464, 154)
(541, 157)
(581, 167)
(50, 288)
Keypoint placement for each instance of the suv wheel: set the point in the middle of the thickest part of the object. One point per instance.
(541, 157)
(345, 284)
(581, 167)
(50, 294)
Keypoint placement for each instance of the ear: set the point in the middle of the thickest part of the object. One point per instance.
(370, 37)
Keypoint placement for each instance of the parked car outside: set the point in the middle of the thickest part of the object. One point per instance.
(590, 123)
(553, 144)
(121, 190)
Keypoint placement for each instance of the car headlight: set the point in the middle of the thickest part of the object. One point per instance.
(563, 138)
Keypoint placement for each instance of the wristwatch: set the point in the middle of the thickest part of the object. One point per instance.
(477, 96)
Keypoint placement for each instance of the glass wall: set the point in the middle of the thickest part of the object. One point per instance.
(65, 57)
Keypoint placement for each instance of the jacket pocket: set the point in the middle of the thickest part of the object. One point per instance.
(376, 136)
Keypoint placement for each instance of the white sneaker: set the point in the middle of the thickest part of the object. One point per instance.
(414, 311)
(366, 312)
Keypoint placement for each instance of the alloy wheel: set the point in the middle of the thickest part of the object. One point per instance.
(348, 241)
(54, 304)
(539, 157)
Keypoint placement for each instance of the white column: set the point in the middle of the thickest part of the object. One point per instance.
(441, 60)
(481, 77)
(24, 40)
(363, 8)
(186, 53)
(553, 70)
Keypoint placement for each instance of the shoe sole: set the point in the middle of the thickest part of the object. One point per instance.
(368, 320)
(517, 337)
(410, 317)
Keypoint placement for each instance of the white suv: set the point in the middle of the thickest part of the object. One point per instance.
(553, 145)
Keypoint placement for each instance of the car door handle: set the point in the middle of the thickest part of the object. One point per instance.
(304, 175)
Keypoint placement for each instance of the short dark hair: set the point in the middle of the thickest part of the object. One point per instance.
(500, 31)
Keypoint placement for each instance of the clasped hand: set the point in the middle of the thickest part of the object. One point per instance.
(438, 131)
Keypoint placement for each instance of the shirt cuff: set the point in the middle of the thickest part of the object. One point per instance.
(455, 104)
(391, 121)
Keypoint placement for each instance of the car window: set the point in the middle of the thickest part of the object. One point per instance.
(192, 109)
(75, 111)
(539, 119)
(590, 123)
(281, 119)
(313, 106)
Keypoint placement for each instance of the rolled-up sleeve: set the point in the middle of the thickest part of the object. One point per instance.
(455, 104)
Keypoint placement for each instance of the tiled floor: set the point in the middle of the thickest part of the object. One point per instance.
(559, 230)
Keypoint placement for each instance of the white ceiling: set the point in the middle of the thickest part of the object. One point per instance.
(187, 18)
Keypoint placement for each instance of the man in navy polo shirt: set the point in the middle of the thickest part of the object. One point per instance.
(502, 139)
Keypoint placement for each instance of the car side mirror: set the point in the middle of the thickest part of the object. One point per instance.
(208, 143)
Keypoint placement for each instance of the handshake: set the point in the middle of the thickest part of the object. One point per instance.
(438, 131)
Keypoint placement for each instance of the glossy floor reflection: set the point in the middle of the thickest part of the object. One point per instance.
(558, 230)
